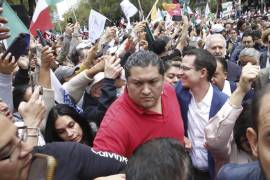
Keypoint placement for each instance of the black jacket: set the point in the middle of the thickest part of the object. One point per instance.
(94, 109)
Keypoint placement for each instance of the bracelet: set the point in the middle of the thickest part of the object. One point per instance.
(33, 132)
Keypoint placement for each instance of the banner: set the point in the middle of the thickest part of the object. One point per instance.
(227, 9)
(172, 9)
(128, 8)
(96, 25)
(207, 11)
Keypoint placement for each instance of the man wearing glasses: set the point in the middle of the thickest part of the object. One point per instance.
(199, 102)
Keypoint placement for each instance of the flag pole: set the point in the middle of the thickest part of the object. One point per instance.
(140, 6)
(73, 11)
(151, 10)
(60, 27)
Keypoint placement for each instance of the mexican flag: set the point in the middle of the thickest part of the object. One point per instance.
(41, 18)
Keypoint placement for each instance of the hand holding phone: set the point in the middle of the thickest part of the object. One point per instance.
(18, 47)
(41, 39)
(7, 64)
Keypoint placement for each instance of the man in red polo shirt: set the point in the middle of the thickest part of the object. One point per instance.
(148, 108)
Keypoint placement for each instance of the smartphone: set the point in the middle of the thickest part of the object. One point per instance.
(41, 39)
(42, 167)
(177, 18)
(70, 20)
(149, 37)
(19, 46)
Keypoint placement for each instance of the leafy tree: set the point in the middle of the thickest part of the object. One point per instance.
(109, 8)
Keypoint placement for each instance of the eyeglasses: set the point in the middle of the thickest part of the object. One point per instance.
(22, 135)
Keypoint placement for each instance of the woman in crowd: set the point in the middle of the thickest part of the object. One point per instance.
(64, 123)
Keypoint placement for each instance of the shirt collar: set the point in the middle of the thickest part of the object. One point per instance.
(208, 97)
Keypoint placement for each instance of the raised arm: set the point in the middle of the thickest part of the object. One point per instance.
(219, 130)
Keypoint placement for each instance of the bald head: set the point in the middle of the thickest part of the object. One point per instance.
(216, 45)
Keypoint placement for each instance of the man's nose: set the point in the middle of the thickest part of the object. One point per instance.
(146, 90)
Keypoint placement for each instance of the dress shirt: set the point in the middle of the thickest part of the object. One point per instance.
(198, 116)
(227, 88)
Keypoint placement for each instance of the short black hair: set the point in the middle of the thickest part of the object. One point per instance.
(257, 34)
(169, 64)
(160, 43)
(223, 62)
(143, 59)
(247, 34)
(204, 59)
(162, 158)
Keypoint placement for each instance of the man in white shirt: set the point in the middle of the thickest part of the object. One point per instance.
(199, 102)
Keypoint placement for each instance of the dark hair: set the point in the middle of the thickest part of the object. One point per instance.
(257, 34)
(159, 44)
(18, 94)
(256, 105)
(169, 64)
(203, 59)
(248, 33)
(161, 158)
(240, 23)
(74, 56)
(242, 123)
(223, 62)
(143, 59)
(62, 110)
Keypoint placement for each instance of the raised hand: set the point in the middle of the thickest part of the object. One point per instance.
(69, 29)
(112, 67)
(248, 76)
(7, 64)
(33, 111)
(47, 58)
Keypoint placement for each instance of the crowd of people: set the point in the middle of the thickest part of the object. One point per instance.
(190, 102)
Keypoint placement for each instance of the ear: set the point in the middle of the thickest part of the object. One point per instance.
(252, 140)
(204, 73)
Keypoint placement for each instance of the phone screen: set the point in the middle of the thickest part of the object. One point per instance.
(19, 46)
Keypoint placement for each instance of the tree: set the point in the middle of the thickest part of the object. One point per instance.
(109, 8)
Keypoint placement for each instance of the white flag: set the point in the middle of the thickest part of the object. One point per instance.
(207, 10)
(96, 25)
(128, 8)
